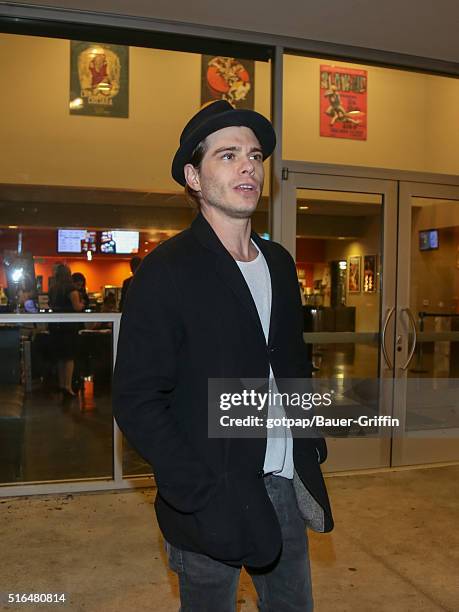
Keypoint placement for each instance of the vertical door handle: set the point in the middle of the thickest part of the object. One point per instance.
(415, 337)
(390, 312)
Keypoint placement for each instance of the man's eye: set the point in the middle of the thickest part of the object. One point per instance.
(227, 155)
(257, 157)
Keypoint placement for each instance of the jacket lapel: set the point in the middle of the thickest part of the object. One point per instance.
(226, 267)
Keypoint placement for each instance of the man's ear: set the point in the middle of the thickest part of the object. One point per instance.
(192, 177)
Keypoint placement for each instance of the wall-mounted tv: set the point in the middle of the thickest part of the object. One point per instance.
(76, 241)
(119, 242)
(428, 240)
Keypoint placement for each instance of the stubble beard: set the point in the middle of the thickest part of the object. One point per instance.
(216, 200)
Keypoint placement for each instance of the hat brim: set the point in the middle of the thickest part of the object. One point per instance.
(260, 126)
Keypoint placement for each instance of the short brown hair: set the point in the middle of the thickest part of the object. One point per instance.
(197, 156)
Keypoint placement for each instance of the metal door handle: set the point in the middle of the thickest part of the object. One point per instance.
(390, 312)
(415, 337)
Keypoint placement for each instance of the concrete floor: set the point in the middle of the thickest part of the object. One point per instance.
(395, 548)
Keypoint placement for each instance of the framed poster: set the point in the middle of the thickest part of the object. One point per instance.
(343, 102)
(227, 78)
(99, 79)
(369, 274)
(354, 274)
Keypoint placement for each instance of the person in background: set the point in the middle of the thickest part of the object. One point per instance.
(79, 282)
(64, 298)
(134, 263)
(109, 304)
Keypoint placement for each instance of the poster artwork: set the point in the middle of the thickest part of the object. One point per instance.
(369, 274)
(227, 78)
(343, 103)
(99, 79)
(353, 277)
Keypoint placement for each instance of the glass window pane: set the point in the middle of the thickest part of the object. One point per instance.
(434, 290)
(55, 409)
(338, 259)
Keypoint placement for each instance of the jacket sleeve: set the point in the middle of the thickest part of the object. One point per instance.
(151, 334)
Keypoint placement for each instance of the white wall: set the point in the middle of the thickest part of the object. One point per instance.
(412, 120)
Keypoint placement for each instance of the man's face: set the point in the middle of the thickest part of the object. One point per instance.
(231, 174)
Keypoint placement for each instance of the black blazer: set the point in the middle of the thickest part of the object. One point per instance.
(189, 316)
(124, 289)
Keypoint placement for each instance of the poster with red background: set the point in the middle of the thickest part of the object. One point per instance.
(343, 102)
(228, 78)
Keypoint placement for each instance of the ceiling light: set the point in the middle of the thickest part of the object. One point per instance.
(17, 275)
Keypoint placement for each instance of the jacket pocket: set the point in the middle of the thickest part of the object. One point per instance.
(239, 525)
(220, 524)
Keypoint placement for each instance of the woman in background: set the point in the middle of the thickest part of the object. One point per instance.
(79, 282)
(64, 298)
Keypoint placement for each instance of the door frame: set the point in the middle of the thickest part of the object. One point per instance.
(366, 452)
(414, 450)
(371, 180)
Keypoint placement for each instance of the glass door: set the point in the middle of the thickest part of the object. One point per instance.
(342, 233)
(427, 325)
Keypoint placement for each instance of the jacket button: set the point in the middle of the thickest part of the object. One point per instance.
(260, 474)
(271, 349)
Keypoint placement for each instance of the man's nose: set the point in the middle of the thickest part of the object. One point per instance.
(247, 167)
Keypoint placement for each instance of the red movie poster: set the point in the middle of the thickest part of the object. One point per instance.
(343, 103)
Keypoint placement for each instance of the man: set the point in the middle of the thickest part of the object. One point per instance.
(217, 301)
(134, 264)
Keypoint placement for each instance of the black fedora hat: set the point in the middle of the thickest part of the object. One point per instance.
(214, 117)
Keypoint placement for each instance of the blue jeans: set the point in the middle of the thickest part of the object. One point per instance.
(207, 585)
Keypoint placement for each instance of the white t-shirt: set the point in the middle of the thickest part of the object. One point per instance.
(279, 447)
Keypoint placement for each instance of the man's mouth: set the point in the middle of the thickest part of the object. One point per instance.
(246, 187)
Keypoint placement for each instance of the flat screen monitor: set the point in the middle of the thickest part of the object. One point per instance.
(76, 241)
(119, 242)
(428, 240)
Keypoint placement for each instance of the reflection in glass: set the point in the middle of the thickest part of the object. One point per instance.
(46, 433)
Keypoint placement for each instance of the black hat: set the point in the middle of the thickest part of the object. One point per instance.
(214, 117)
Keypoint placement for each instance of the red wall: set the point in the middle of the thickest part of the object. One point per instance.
(311, 250)
(308, 252)
(42, 243)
